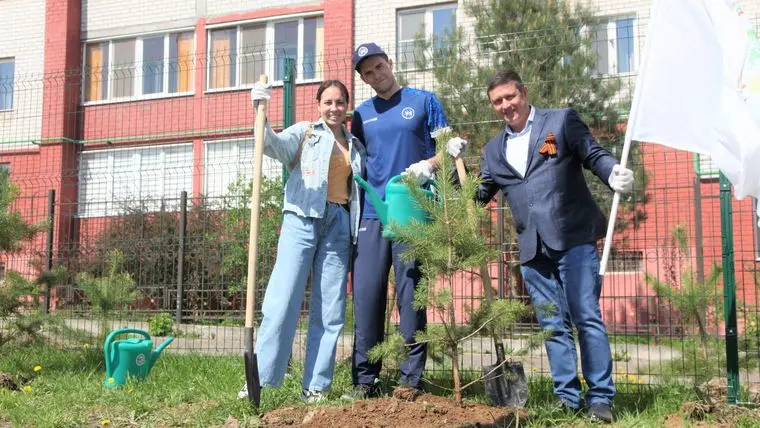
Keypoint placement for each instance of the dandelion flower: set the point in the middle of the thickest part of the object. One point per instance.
(105, 422)
(37, 368)
(27, 388)
(534, 369)
(110, 380)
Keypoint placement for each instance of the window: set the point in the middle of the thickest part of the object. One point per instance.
(239, 55)
(705, 167)
(615, 45)
(228, 160)
(7, 71)
(432, 23)
(151, 178)
(626, 261)
(148, 66)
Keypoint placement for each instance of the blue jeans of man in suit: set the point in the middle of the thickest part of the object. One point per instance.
(565, 287)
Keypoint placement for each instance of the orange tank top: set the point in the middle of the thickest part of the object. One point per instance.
(338, 175)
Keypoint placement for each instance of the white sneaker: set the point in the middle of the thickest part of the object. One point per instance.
(310, 396)
(243, 393)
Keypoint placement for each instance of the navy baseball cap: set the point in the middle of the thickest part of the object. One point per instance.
(364, 51)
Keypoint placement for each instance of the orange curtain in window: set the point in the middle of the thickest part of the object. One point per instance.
(93, 86)
(185, 62)
(320, 49)
(220, 66)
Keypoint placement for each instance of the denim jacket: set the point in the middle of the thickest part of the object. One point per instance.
(306, 189)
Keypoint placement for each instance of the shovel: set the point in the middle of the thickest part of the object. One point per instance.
(505, 383)
(251, 365)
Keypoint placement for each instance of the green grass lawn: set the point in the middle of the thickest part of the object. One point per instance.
(186, 390)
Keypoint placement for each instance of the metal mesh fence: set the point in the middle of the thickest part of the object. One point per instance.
(154, 160)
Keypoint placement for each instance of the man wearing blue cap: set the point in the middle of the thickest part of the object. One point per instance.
(398, 127)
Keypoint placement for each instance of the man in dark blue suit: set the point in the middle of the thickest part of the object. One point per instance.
(538, 161)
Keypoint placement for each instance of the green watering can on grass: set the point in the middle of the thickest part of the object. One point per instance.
(130, 357)
(399, 206)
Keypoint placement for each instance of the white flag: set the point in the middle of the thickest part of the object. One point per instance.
(698, 88)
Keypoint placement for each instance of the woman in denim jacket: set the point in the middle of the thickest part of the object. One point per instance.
(319, 226)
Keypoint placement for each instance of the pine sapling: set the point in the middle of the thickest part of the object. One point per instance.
(450, 243)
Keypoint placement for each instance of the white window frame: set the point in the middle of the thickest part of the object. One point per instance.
(270, 54)
(235, 156)
(631, 261)
(13, 91)
(705, 167)
(137, 68)
(428, 23)
(612, 53)
(109, 209)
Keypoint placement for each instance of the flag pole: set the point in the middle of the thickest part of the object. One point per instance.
(623, 163)
(613, 210)
(626, 148)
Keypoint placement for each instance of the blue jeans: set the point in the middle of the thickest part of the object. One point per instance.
(565, 287)
(320, 246)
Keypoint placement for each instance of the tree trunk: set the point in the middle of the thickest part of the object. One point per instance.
(455, 372)
(702, 335)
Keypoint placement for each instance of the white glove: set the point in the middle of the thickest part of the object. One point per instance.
(260, 92)
(422, 171)
(621, 179)
(456, 147)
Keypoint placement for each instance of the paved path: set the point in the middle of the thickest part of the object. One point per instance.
(477, 351)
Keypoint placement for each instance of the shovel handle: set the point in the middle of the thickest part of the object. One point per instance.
(253, 241)
(461, 172)
(485, 276)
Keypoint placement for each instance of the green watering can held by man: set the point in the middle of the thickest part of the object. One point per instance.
(399, 206)
(130, 357)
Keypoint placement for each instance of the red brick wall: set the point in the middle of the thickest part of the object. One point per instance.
(626, 298)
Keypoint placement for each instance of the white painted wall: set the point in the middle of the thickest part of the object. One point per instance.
(109, 18)
(222, 7)
(22, 36)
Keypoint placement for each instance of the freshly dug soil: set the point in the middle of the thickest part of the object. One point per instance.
(8, 382)
(722, 414)
(426, 410)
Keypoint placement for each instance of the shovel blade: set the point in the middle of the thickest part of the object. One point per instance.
(506, 385)
(252, 378)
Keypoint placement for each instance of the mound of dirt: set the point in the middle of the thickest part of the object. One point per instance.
(8, 382)
(716, 390)
(721, 413)
(427, 410)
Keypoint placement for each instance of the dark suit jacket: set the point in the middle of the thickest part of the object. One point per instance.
(552, 202)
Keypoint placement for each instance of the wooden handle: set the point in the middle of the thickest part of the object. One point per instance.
(461, 172)
(484, 274)
(253, 235)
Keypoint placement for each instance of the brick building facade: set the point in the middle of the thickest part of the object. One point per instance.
(111, 102)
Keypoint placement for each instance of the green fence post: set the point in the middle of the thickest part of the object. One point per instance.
(729, 290)
(288, 101)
